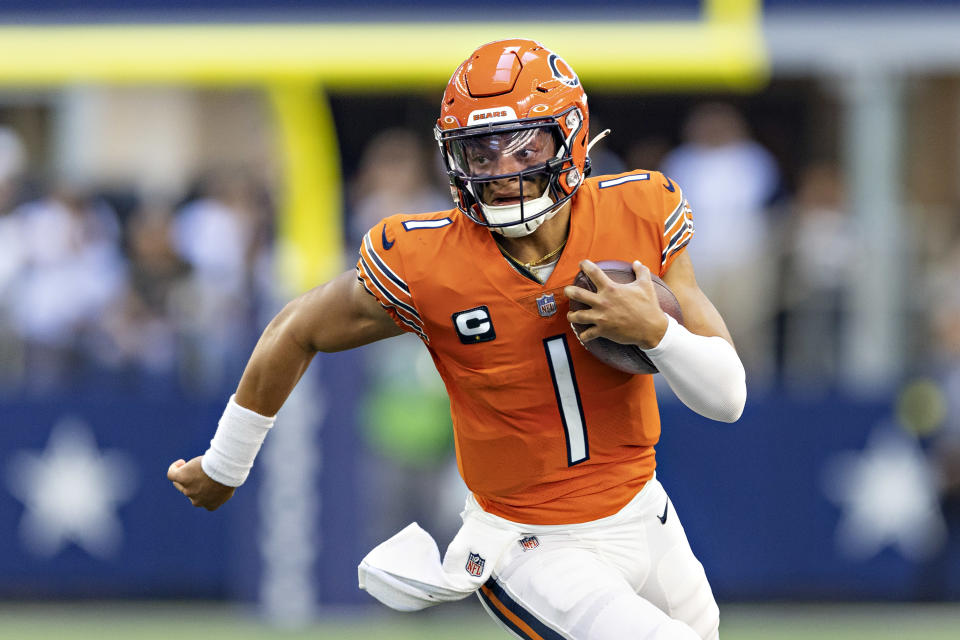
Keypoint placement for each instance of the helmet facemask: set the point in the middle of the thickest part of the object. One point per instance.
(507, 176)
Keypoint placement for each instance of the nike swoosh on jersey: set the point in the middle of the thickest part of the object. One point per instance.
(666, 509)
(386, 245)
(669, 186)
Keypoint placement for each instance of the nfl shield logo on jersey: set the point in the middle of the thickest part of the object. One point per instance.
(475, 565)
(530, 543)
(546, 305)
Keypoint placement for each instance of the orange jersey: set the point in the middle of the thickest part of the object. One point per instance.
(545, 433)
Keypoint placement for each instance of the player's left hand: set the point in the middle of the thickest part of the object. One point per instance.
(625, 313)
(190, 480)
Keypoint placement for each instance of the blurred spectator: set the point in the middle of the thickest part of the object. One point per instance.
(140, 332)
(394, 177)
(70, 271)
(12, 163)
(944, 297)
(815, 278)
(215, 232)
(647, 153)
(12, 160)
(220, 236)
(945, 319)
(729, 179)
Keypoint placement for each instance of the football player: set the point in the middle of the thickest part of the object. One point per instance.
(567, 533)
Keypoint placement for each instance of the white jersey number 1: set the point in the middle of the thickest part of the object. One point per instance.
(568, 398)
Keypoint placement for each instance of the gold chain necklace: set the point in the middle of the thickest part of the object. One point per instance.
(536, 262)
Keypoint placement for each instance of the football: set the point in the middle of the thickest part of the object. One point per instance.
(625, 357)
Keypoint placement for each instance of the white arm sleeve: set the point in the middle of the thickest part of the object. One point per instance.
(705, 373)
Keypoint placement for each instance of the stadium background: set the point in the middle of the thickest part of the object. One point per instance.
(151, 119)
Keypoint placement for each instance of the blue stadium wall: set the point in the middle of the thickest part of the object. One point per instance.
(751, 496)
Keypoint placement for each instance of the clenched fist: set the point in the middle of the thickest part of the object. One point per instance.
(191, 481)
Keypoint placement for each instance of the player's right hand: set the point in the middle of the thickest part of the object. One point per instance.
(625, 312)
(190, 480)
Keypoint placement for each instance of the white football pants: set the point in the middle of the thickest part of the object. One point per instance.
(629, 576)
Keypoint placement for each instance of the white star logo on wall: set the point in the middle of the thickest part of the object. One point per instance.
(888, 497)
(70, 492)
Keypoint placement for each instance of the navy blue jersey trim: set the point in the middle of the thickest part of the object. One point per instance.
(413, 326)
(675, 250)
(673, 216)
(386, 292)
(384, 269)
(679, 234)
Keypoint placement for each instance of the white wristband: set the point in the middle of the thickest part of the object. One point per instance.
(235, 444)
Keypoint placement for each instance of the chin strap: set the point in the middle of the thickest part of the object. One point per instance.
(597, 138)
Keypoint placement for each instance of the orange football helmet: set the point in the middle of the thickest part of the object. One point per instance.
(513, 132)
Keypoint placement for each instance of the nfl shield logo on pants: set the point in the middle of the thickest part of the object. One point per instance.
(475, 565)
(546, 305)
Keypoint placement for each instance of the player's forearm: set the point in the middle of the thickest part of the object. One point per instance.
(277, 363)
(275, 366)
(704, 372)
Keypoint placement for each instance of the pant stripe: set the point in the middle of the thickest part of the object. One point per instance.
(514, 615)
(503, 615)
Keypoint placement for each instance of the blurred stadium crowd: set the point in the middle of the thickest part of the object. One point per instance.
(96, 280)
(118, 287)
